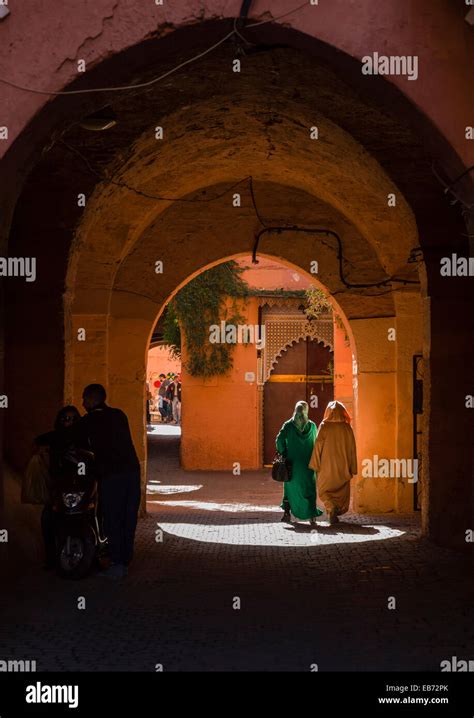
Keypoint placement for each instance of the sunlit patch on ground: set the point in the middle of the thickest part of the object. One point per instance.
(216, 506)
(279, 534)
(163, 430)
(174, 489)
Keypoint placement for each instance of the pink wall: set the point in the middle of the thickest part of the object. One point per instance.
(42, 40)
(268, 274)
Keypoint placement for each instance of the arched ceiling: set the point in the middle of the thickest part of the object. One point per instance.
(219, 131)
(187, 237)
(220, 127)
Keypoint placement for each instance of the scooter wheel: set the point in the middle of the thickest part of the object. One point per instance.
(75, 555)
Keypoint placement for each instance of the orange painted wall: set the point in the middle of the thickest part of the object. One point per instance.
(343, 379)
(219, 415)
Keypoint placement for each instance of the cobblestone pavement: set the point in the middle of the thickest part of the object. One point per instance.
(305, 598)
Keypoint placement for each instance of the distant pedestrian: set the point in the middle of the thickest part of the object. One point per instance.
(162, 408)
(163, 392)
(163, 385)
(177, 400)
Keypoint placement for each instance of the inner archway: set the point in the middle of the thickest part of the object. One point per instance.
(280, 305)
(375, 394)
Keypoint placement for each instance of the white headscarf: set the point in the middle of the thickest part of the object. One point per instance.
(300, 415)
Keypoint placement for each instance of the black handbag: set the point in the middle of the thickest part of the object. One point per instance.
(281, 468)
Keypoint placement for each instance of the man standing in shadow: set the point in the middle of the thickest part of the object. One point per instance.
(106, 432)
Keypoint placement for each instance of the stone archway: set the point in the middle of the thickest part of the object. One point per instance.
(343, 181)
(377, 388)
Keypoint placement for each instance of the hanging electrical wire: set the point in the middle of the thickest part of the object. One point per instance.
(149, 83)
(266, 229)
(318, 231)
(238, 22)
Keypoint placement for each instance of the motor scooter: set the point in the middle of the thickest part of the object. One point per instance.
(80, 539)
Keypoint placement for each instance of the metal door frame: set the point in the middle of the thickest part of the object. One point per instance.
(417, 388)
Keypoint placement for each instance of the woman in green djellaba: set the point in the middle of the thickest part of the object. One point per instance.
(295, 441)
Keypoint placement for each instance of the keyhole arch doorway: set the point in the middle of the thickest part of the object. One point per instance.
(303, 371)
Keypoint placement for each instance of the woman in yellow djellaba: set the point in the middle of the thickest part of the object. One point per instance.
(335, 459)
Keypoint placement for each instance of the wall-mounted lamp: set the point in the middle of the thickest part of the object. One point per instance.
(101, 120)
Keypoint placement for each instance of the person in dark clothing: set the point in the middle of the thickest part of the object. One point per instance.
(171, 390)
(163, 385)
(163, 393)
(57, 443)
(177, 401)
(162, 408)
(106, 432)
(170, 394)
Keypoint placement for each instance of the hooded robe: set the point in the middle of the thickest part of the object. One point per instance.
(334, 458)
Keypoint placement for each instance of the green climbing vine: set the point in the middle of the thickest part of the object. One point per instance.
(213, 296)
(317, 303)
